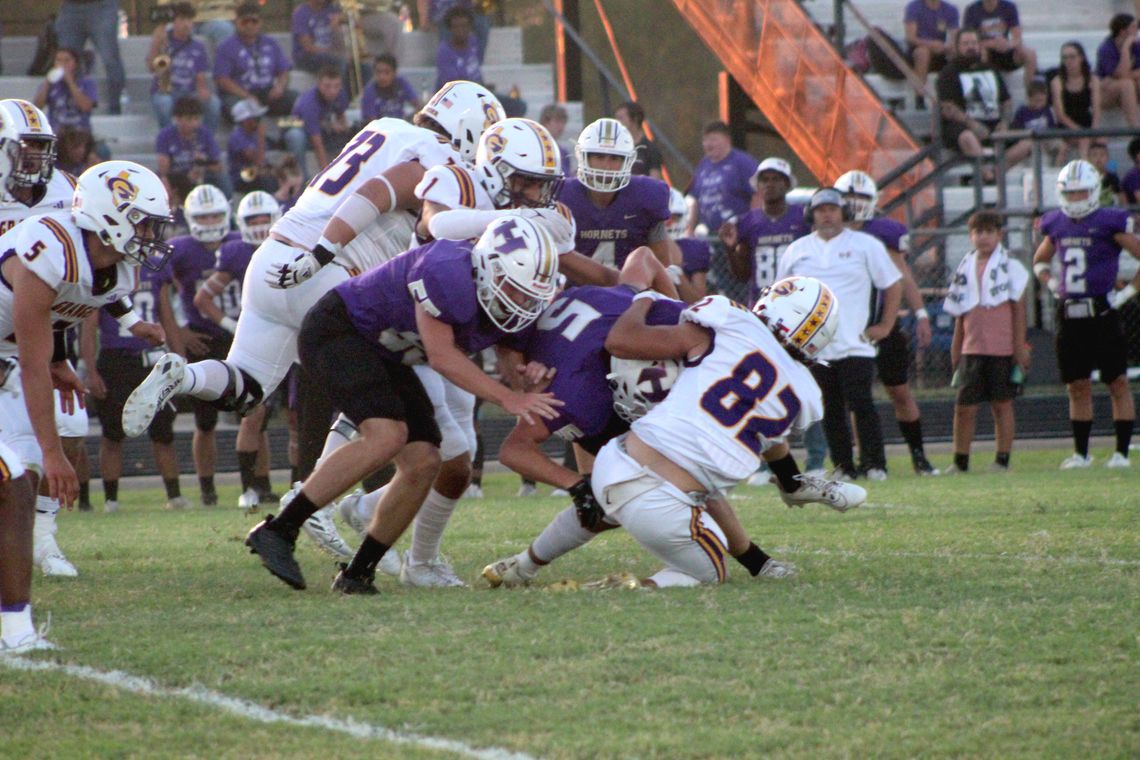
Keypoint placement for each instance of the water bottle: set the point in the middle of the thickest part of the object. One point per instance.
(124, 27)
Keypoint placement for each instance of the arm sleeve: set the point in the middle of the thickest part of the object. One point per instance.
(461, 223)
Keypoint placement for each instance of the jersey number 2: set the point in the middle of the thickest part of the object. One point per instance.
(731, 400)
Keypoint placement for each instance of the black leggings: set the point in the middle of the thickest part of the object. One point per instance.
(846, 386)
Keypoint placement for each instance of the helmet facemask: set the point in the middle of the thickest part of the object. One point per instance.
(32, 161)
(147, 246)
(516, 269)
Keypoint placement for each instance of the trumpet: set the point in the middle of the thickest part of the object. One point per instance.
(249, 174)
(162, 72)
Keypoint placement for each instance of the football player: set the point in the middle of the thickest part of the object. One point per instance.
(696, 255)
(860, 195)
(1089, 240)
(363, 337)
(55, 273)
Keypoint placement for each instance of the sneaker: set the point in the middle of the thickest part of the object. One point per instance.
(178, 502)
(761, 478)
(33, 641)
(774, 568)
(322, 530)
(559, 493)
(275, 547)
(152, 394)
(209, 498)
(877, 474)
(348, 508)
(1117, 461)
(248, 500)
(474, 491)
(1077, 462)
(953, 470)
(922, 465)
(392, 563)
(507, 573)
(46, 554)
(526, 490)
(434, 574)
(111, 507)
(836, 494)
(348, 584)
(998, 469)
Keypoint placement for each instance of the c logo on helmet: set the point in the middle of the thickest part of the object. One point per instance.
(782, 288)
(496, 143)
(122, 189)
(490, 115)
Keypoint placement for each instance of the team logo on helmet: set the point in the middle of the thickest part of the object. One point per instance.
(122, 189)
(490, 115)
(495, 142)
(782, 288)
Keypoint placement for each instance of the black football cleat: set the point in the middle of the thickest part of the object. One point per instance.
(275, 545)
(349, 584)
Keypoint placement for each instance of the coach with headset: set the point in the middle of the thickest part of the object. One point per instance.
(852, 264)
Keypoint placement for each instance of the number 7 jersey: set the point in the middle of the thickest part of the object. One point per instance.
(734, 402)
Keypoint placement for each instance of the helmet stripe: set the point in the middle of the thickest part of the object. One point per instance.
(815, 319)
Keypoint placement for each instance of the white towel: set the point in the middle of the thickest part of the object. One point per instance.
(1003, 280)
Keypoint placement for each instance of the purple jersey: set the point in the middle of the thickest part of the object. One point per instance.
(188, 58)
(438, 276)
(695, 255)
(253, 66)
(61, 108)
(931, 23)
(635, 217)
(1034, 119)
(571, 337)
(313, 22)
(112, 335)
(233, 259)
(991, 24)
(767, 238)
(376, 103)
(452, 64)
(1087, 250)
(1131, 186)
(184, 152)
(316, 112)
(887, 231)
(722, 189)
(191, 264)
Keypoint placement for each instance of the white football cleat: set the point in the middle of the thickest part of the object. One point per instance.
(249, 499)
(559, 493)
(876, 473)
(348, 509)
(178, 502)
(46, 554)
(774, 568)
(1077, 462)
(32, 641)
(507, 573)
(152, 394)
(526, 490)
(474, 491)
(436, 573)
(322, 530)
(392, 563)
(1117, 461)
(836, 494)
(111, 507)
(761, 478)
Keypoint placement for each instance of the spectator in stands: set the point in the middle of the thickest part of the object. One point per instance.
(187, 153)
(212, 19)
(927, 24)
(1131, 182)
(324, 128)
(382, 27)
(1036, 115)
(555, 118)
(68, 95)
(1076, 93)
(988, 352)
(245, 149)
(179, 64)
(80, 20)
(290, 182)
(1110, 194)
(251, 65)
(388, 94)
(458, 54)
(720, 183)
(1118, 67)
(999, 27)
(648, 161)
(974, 102)
(433, 13)
(318, 41)
(75, 150)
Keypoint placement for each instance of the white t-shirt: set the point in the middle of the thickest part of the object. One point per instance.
(852, 264)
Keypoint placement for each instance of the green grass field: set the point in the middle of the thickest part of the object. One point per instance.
(977, 616)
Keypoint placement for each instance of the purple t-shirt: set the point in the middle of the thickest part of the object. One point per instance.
(382, 302)
(61, 108)
(695, 255)
(1131, 185)
(316, 113)
(183, 152)
(191, 264)
(188, 58)
(933, 23)
(308, 21)
(377, 104)
(1108, 57)
(721, 189)
(991, 24)
(452, 64)
(240, 141)
(767, 238)
(253, 66)
(1089, 255)
(610, 234)
(145, 298)
(1034, 118)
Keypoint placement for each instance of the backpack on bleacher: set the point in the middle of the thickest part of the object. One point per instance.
(46, 45)
(880, 63)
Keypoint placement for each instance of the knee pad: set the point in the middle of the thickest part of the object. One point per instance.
(242, 401)
(343, 427)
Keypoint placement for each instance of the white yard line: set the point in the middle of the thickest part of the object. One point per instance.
(968, 556)
(253, 711)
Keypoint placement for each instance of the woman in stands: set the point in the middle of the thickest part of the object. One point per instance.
(1076, 93)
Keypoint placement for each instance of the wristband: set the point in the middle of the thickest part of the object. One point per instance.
(325, 250)
(652, 295)
(922, 314)
(1041, 267)
(675, 273)
(129, 320)
(229, 324)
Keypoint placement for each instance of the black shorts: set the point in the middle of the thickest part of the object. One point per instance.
(1004, 61)
(985, 378)
(1091, 343)
(893, 359)
(938, 61)
(206, 412)
(951, 130)
(122, 372)
(360, 379)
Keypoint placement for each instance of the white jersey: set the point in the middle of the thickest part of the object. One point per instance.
(382, 144)
(727, 407)
(454, 186)
(56, 201)
(52, 248)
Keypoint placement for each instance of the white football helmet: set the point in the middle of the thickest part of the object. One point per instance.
(126, 205)
(801, 312)
(203, 201)
(1077, 176)
(518, 254)
(27, 146)
(257, 203)
(518, 148)
(678, 214)
(860, 194)
(606, 137)
(463, 110)
(639, 385)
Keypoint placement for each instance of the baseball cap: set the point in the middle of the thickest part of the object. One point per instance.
(773, 164)
(247, 109)
(826, 196)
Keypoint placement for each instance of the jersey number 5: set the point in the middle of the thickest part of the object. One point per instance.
(37, 248)
(731, 400)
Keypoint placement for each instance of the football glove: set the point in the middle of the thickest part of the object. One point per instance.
(303, 266)
(10, 376)
(559, 227)
(1123, 296)
(590, 513)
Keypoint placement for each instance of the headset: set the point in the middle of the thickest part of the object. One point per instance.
(826, 195)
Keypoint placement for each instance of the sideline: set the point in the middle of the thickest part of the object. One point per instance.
(253, 711)
(950, 555)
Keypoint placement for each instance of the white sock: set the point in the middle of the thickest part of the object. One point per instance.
(208, 380)
(341, 432)
(563, 534)
(46, 505)
(427, 530)
(15, 626)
